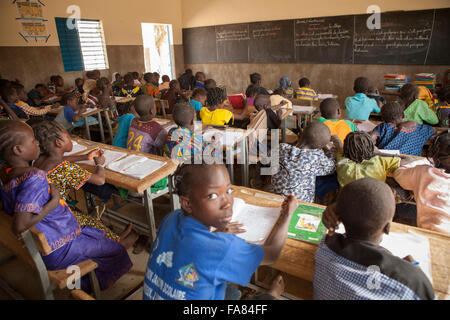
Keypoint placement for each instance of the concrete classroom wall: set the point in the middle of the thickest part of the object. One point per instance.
(326, 78)
(33, 62)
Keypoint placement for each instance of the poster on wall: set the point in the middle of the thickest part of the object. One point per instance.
(31, 19)
(29, 9)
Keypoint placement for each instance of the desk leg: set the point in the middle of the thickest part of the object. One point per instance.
(108, 122)
(245, 165)
(174, 199)
(283, 131)
(86, 123)
(100, 124)
(150, 214)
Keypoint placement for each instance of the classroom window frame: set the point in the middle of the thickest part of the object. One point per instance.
(83, 48)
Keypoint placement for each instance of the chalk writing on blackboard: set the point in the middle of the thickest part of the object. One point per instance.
(232, 34)
(392, 39)
(321, 34)
(266, 32)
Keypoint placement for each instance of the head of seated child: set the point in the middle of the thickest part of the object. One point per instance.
(9, 95)
(156, 77)
(79, 84)
(255, 79)
(392, 112)
(20, 90)
(376, 200)
(184, 115)
(135, 75)
(104, 86)
(128, 80)
(18, 146)
(118, 77)
(199, 94)
(210, 84)
(149, 77)
(408, 94)
(372, 90)
(205, 193)
(279, 92)
(359, 146)
(216, 98)
(262, 101)
(361, 85)
(90, 75)
(304, 83)
(200, 76)
(444, 95)
(174, 85)
(145, 107)
(53, 138)
(70, 100)
(57, 80)
(165, 78)
(440, 151)
(329, 109)
(315, 136)
(42, 89)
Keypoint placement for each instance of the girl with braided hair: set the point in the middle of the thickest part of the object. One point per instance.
(28, 197)
(361, 159)
(431, 186)
(54, 141)
(216, 114)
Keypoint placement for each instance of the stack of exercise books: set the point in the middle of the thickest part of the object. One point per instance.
(427, 80)
(394, 81)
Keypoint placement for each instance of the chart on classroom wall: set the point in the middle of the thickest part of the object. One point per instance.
(405, 37)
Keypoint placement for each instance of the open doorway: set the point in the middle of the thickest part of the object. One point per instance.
(158, 41)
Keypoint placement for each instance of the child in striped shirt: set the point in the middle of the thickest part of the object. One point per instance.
(305, 92)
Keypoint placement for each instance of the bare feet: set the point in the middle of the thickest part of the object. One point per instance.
(126, 231)
(140, 244)
(129, 240)
(277, 287)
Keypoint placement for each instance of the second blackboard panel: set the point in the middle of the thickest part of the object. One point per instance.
(403, 38)
(232, 42)
(324, 40)
(271, 41)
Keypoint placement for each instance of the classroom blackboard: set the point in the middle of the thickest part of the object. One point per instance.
(405, 37)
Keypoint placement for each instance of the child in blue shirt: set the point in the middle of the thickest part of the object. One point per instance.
(394, 134)
(360, 106)
(9, 95)
(190, 262)
(124, 123)
(198, 99)
(71, 113)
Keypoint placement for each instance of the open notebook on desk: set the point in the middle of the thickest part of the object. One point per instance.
(110, 156)
(401, 244)
(258, 221)
(225, 137)
(136, 166)
(76, 148)
(89, 110)
(303, 109)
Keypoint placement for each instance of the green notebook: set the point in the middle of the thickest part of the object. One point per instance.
(306, 224)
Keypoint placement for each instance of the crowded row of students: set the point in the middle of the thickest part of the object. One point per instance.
(187, 260)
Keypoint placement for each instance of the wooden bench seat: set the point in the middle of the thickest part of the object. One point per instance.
(29, 246)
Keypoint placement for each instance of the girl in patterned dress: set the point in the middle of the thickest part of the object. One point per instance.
(54, 141)
(27, 196)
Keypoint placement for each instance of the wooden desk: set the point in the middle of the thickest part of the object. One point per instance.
(85, 116)
(133, 184)
(297, 257)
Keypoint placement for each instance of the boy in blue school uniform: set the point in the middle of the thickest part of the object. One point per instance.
(190, 262)
(360, 106)
(353, 266)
